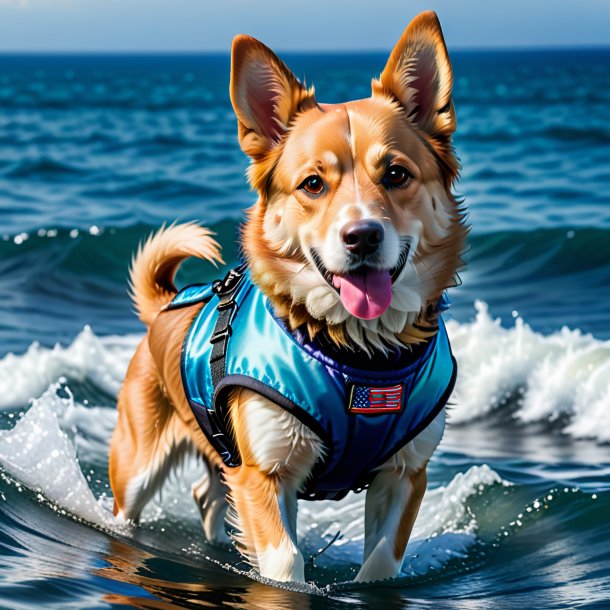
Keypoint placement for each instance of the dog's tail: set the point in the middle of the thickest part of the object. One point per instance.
(153, 268)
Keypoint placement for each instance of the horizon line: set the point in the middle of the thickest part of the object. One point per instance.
(458, 49)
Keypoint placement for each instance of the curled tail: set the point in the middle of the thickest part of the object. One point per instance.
(153, 268)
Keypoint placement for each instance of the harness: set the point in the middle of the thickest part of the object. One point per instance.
(362, 416)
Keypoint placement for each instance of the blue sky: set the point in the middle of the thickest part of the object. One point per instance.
(209, 25)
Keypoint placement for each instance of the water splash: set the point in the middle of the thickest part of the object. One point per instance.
(539, 378)
(39, 454)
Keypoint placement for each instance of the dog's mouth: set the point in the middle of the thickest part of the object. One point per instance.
(366, 292)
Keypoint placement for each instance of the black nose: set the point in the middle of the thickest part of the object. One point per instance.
(362, 237)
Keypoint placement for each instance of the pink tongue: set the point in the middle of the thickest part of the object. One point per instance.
(367, 295)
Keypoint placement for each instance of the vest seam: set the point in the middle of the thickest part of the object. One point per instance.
(277, 398)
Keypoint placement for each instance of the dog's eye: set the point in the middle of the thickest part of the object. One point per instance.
(396, 175)
(312, 185)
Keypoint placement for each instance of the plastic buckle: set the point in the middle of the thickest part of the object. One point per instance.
(231, 280)
(226, 301)
(232, 277)
(221, 335)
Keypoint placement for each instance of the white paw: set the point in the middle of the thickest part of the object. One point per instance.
(380, 564)
(283, 563)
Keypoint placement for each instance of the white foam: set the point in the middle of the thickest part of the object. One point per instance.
(103, 361)
(566, 374)
(39, 454)
(563, 374)
(444, 529)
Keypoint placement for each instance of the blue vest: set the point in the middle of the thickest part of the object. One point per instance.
(362, 417)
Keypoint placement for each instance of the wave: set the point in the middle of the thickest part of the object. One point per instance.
(40, 452)
(45, 167)
(558, 276)
(549, 135)
(80, 246)
(40, 455)
(57, 451)
(540, 252)
(561, 377)
(49, 454)
(543, 252)
(102, 361)
(446, 528)
(155, 189)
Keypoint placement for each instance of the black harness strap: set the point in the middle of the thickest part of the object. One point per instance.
(226, 290)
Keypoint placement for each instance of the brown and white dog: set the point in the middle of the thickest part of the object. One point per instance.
(338, 184)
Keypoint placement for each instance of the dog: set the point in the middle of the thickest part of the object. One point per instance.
(321, 364)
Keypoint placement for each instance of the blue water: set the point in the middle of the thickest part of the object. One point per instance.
(98, 151)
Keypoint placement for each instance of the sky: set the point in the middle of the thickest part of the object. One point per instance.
(313, 25)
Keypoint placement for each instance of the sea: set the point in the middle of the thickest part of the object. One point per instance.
(98, 151)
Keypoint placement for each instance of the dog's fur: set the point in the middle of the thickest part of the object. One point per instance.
(408, 121)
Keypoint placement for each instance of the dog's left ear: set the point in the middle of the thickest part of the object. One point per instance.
(418, 74)
(265, 94)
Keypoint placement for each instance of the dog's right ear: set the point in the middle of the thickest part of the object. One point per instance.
(265, 94)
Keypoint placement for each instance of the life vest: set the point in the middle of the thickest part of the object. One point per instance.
(363, 417)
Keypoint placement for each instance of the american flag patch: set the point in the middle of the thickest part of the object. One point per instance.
(365, 399)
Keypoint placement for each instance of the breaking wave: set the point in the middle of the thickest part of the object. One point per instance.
(53, 446)
(561, 378)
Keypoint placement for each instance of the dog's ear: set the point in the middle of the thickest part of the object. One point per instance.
(265, 94)
(418, 74)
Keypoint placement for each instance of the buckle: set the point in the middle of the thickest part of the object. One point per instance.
(221, 335)
(229, 282)
(226, 301)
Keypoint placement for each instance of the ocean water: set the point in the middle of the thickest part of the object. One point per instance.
(98, 151)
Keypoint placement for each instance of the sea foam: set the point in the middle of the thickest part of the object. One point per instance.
(445, 528)
(565, 375)
(101, 360)
(540, 378)
(39, 454)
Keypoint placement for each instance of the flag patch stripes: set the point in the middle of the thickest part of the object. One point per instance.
(365, 399)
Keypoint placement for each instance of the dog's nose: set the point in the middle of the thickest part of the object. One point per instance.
(362, 237)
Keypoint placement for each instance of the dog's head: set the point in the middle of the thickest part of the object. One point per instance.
(355, 231)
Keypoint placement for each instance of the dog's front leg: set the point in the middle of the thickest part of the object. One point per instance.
(265, 518)
(277, 453)
(392, 503)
